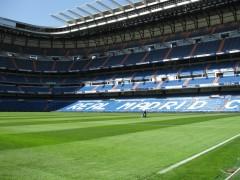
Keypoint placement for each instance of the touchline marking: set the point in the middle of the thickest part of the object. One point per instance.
(233, 174)
(196, 155)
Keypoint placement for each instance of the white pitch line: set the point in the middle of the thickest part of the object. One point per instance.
(196, 155)
(229, 177)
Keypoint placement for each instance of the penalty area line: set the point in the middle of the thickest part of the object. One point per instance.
(174, 166)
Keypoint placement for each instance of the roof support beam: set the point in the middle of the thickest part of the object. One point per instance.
(75, 13)
(85, 11)
(117, 4)
(131, 3)
(104, 5)
(66, 16)
(59, 19)
(93, 8)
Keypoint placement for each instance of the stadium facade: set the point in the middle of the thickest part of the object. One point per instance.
(159, 55)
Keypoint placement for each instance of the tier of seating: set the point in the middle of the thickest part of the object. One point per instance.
(136, 86)
(172, 84)
(16, 78)
(76, 51)
(4, 88)
(191, 76)
(189, 70)
(174, 53)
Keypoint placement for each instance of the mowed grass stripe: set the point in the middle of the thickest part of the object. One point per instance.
(36, 120)
(30, 117)
(65, 120)
(59, 117)
(51, 115)
(27, 118)
(24, 115)
(14, 141)
(74, 125)
(82, 114)
(57, 120)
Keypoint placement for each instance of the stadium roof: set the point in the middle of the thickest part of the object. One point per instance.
(109, 11)
(129, 17)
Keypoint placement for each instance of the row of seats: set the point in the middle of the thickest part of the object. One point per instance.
(176, 84)
(12, 63)
(122, 87)
(167, 84)
(30, 79)
(178, 52)
(4, 88)
(191, 70)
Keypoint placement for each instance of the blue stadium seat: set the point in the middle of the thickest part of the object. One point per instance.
(210, 47)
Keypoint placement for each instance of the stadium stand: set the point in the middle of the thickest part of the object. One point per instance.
(196, 58)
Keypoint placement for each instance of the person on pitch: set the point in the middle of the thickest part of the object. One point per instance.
(144, 113)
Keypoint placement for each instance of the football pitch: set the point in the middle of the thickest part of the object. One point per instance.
(119, 146)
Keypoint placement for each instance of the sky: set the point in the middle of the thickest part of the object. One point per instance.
(38, 12)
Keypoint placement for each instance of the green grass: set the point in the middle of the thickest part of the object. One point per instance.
(236, 176)
(116, 145)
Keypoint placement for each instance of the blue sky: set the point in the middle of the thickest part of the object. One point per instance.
(38, 11)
